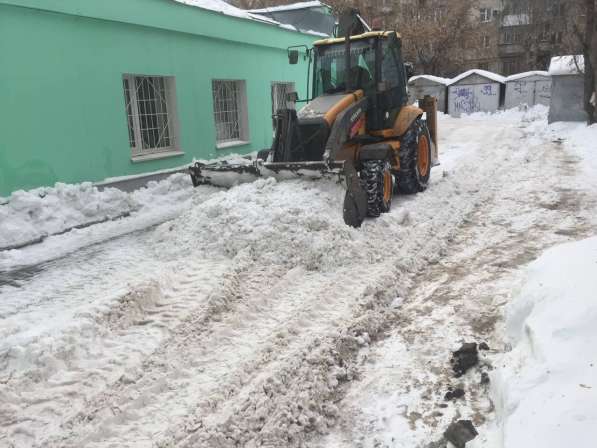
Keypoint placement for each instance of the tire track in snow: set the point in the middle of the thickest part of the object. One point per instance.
(52, 375)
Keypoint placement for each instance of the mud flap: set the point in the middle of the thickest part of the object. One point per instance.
(355, 200)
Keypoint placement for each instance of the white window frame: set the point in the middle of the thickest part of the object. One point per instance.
(485, 14)
(140, 153)
(288, 86)
(226, 135)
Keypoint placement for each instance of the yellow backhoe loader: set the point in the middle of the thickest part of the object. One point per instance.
(357, 124)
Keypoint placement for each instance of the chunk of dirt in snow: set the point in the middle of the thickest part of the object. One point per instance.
(460, 432)
(438, 444)
(483, 346)
(454, 394)
(464, 358)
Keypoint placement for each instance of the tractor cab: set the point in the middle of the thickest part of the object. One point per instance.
(370, 62)
(358, 88)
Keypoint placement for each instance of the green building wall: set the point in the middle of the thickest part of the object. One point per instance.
(62, 109)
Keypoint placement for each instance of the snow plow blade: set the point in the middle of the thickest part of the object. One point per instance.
(226, 175)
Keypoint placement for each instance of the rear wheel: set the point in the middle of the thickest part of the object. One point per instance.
(415, 159)
(378, 183)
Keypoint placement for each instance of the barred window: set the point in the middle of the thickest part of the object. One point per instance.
(150, 110)
(230, 112)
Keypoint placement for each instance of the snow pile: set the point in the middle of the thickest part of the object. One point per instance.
(279, 223)
(567, 65)
(546, 388)
(30, 216)
(484, 73)
(437, 79)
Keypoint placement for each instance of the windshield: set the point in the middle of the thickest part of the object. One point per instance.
(330, 68)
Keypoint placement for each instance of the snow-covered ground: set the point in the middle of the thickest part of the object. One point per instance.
(257, 318)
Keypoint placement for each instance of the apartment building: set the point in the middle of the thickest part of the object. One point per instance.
(531, 32)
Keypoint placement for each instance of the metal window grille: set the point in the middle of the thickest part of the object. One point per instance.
(149, 122)
(228, 113)
(280, 90)
(129, 111)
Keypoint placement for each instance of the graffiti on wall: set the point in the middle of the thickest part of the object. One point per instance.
(488, 90)
(474, 98)
(464, 101)
(527, 92)
(469, 99)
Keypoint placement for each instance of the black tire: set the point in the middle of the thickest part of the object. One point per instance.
(376, 180)
(410, 179)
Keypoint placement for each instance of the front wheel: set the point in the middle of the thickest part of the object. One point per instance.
(378, 183)
(415, 159)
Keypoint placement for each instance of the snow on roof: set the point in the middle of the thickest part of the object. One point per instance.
(567, 65)
(224, 8)
(484, 73)
(526, 75)
(291, 7)
(315, 33)
(217, 6)
(515, 20)
(432, 78)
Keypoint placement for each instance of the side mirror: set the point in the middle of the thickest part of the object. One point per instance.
(293, 56)
(410, 70)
